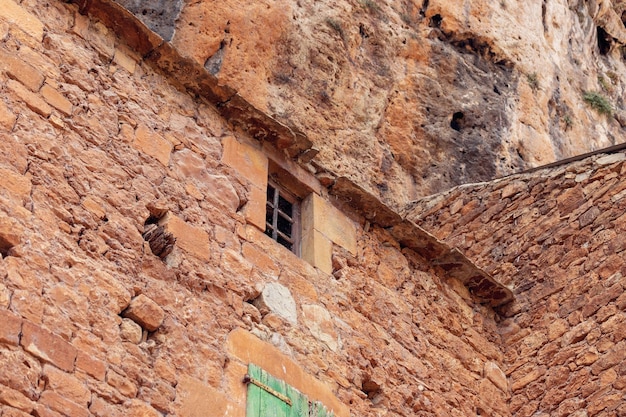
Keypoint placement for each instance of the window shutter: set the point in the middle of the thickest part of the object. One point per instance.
(271, 397)
(317, 409)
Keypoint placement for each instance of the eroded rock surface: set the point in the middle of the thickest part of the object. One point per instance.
(418, 96)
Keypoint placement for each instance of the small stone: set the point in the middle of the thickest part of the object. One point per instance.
(611, 159)
(493, 373)
(589, 216)
(583, 177)
(145, 312)
(130, 331)
(514, 188)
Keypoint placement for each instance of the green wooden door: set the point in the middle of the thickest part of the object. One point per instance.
(271, 397)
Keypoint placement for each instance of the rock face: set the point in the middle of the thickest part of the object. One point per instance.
(410, 98)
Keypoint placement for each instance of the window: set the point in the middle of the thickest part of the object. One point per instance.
(270, 397)
(282, 217)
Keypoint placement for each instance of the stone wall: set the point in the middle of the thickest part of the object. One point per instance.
(97, 148)
(556, 238)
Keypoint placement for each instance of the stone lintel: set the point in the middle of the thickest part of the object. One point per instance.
(124, 24)
(482, 285)
(367, 203)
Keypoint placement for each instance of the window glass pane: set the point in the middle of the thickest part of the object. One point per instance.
(284, 225)
(284, 242)
(285, 206)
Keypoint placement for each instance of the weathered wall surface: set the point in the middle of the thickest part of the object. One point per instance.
(410, 98)
(94, 145)
(556, 237)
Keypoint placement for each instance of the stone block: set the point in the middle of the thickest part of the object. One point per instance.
(317, 250)
(609, 359)
(492, 372)
(15, 399)
(130, 331)
(14, 14)
(250, 163)
(255, 207)
(299, 284)
(17, 69)
(570, 200)
(153, 144)
(123, 58)
(118, 295)
(588, 216)
(57, 100)
(197, 397)
(318, 214)
(233, 376)
(66, 385)
(7, 118)
(320, 323)
(48, 346)
(220, 189)
(277, 299)
(32, 100)
(5, 296)
(62, 405)
(529, 377)
(100, 408)
(189, 238)
(138, 408)
(90, 365)
(15, 183)
(512, 189)
(492, 399)
(124, 385)
(236, 265)
(262, 262)
(92, 206)
(11, 327)
(145, 312)
(25, 371)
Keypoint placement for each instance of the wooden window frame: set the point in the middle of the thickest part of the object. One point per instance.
(273, 208)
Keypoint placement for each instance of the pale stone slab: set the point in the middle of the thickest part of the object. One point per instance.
(250, 163)
(277, 299)
(611, 159)
(318, 214)
(317, 250)
(320, 323)
(493, 373)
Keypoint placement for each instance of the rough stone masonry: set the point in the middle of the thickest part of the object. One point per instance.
(98, 143)
(556, 237)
